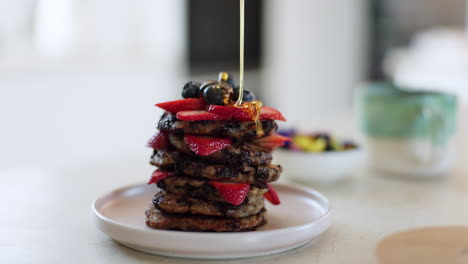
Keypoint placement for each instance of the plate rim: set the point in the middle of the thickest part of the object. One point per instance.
(233, 235)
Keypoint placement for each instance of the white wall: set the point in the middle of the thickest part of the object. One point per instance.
(57, 118)
(89, 98)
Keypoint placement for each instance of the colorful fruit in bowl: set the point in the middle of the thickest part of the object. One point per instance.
(315, 142)
(318, 157)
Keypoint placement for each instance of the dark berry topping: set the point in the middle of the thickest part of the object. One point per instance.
(206, 85)
(216, 94)
(247, 95)
(191, 90)
(227, 78)
(235, 95)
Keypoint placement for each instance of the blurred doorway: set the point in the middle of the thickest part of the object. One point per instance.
(213, 34)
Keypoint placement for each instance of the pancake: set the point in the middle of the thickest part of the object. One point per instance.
(178, 204)
(243, 153)
(202, 189)
(183, 164)
(235, 130)
(160, 220)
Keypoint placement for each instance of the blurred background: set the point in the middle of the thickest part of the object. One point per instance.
(79, 79)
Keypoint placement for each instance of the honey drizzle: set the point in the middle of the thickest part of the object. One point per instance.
(241, 54)
(251, 108)
(226, 99)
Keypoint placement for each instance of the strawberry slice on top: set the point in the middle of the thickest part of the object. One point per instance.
(234, 193)
(205, 146)
(158, 175)
(236, 113)
(270, 113)
(183, 105)
(272, 195)
(197, 115)
(160, 140)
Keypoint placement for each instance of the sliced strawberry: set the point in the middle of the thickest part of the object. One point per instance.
(183, 105)
(271, 195)
(234, 193)
(160, 140)
(275, 139)
(205, 146)
(269, 113)
(236, 113)
(229, 112)
(197, 115)
(158, 175)
(272, 141)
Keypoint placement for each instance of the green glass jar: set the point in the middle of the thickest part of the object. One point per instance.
(408, 131)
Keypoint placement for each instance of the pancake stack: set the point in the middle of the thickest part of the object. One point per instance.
(212, 174)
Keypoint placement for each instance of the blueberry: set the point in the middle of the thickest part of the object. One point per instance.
(215, 94)
(191, 90)
(206, 85)
(228, 78)
(235, 95)
(248, 96)
(231, 81)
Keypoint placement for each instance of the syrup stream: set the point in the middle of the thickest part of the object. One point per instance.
(241, 54)
(252, 108)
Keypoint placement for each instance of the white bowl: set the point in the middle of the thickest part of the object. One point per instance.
(319, 167)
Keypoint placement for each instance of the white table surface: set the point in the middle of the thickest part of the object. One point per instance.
(46, 216)
(46, 213)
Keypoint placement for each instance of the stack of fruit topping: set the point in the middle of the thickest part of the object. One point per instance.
(315, 142)
(213, 160)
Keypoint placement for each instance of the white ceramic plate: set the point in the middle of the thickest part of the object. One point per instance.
(303, 215)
